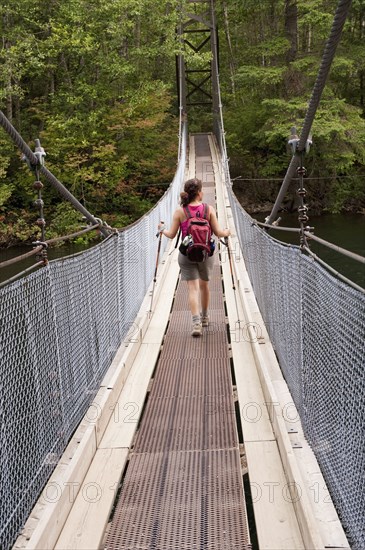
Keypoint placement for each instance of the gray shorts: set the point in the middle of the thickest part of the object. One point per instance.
(195, 270)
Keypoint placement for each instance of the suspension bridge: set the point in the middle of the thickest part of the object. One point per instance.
(120, 431)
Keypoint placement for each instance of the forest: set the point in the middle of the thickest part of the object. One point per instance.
(95, 81)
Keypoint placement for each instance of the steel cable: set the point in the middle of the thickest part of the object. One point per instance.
(327, 58)
(22, 257)
(34, 161)
(339, 249)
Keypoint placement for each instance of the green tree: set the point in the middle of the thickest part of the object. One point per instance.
(94, 80)
(277, 48)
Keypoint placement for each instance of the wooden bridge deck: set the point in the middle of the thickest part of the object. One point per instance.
(160, 459)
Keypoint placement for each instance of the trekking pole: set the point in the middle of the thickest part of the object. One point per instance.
(159, 235)
(226, 242)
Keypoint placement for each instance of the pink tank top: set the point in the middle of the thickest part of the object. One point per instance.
(193, 209)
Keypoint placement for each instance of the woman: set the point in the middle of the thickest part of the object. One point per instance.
(196, 274)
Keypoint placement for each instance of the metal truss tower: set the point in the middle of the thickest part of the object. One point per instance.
(197, 65)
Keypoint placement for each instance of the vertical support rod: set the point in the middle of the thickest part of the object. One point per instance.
(215, 72)
(327, 58)
(302, 208)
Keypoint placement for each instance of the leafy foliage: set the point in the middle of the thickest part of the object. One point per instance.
(268, 93)
(94, 80)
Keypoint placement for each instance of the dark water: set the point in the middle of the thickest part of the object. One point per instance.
(53, 253)
(345, 230)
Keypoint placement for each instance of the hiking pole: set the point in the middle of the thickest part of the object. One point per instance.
(226, 242)
(159, 235)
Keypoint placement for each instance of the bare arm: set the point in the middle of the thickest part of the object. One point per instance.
(176, 220)
(217, 230)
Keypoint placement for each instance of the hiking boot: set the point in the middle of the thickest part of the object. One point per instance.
(197, 329)
(205, 320)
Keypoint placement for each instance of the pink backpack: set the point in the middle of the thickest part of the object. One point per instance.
(199, 233)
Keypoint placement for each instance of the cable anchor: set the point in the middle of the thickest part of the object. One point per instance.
(39, 203)
(39, 152)
(293, 140)
(42, 255)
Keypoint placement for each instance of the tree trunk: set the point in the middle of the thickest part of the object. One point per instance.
(67, 72)
(9, 96)
(361, 75)
(9, 106)
(232, 67)
(291, 28)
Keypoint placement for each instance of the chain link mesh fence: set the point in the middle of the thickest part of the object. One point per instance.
(317, 326)
(60, 328)
(59, 333)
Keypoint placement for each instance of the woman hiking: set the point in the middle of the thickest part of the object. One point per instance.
(196, 274)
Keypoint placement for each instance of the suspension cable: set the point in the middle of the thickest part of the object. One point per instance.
(329, 268)
(312, 237)
(34, 162)
(39, 247)
(73, 235)
(216, 84)
(337, 248)
(22, 257)
(181, 86)
(328, 55)
(277, 227)
(22, 273)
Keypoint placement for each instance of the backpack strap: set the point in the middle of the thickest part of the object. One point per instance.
(205, 213)
(187, 212)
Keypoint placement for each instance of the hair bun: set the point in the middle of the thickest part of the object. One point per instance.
(191, 189)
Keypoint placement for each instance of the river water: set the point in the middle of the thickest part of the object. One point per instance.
(345, 230)
(53, 253)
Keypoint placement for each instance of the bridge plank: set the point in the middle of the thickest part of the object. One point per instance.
(128, 408)
(86, 523)
(254, 415)
(47, 519)
(331, 529)
(256, 425)
(156, 328)
(325, 516)
(317, 521)
(276, 523)
(53, 507)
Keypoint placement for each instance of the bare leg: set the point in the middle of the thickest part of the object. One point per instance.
(204, 294)
(193, 291)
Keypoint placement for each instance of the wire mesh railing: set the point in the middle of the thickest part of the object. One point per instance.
(60, 329)
(316, 323)
(40, 251)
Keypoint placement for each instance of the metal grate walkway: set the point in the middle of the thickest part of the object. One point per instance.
(183, 487)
